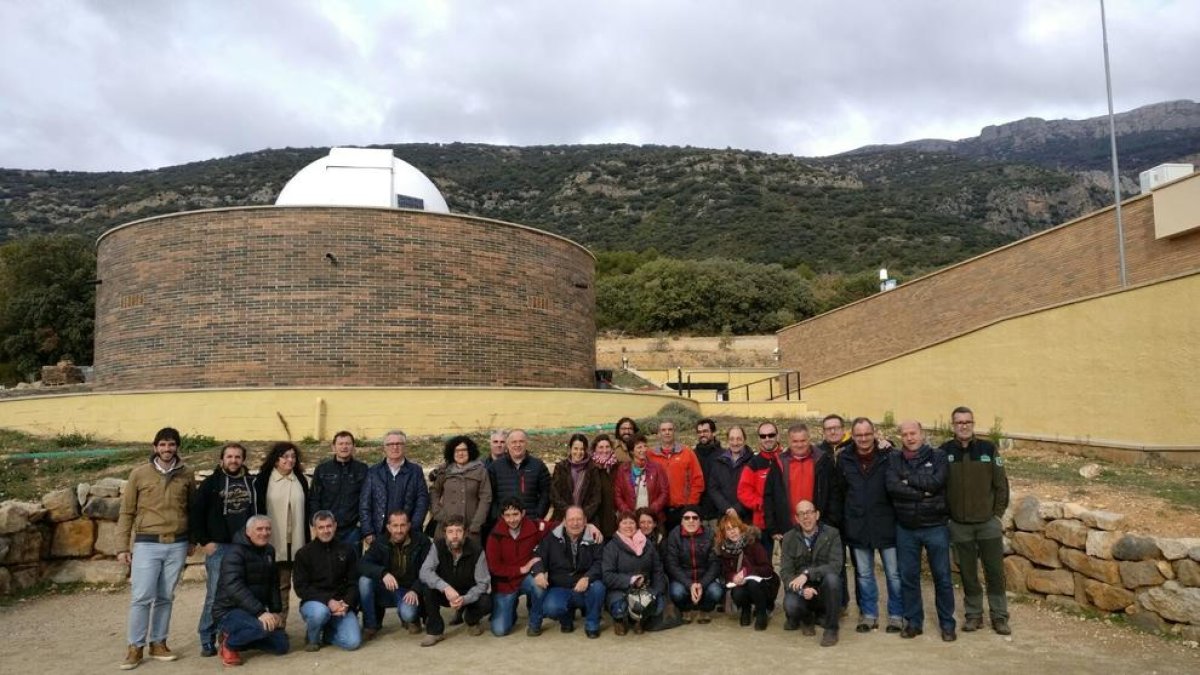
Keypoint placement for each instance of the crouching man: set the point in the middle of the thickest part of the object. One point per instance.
(390, 570)
(568, 570)
(455, 575)
(247, 607)
(325, 576)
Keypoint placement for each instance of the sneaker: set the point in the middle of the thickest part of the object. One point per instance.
(133, 658)
(431, 640)
(866, 624)
(829, 638)
(910, 632)
(533, 631)
(476, 629)
(972, 624)
(705, 617)
(369, 634)
(414, 628)
(592, 634)
(745, 617)
(1000, 626)
(229, 657)
(948, 635)
(686, 617)
(808, 629)
(895, 624)
(312, 646)
(159, 652)
(761, 620)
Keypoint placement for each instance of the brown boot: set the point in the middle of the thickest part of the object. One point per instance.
(619, 627)
(159, 652)
(133, 658)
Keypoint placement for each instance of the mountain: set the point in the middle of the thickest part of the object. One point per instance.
(912, 207)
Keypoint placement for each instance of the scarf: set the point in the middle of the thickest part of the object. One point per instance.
(734, 548)
(605, 460)
(578, 479)
(636, 543)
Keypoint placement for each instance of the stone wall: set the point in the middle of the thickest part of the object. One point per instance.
(1080, 558)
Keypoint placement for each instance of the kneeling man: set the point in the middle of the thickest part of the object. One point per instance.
(325, 576)
(247, 607)
(568, 570)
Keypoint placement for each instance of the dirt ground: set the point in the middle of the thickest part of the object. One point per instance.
(84, 633)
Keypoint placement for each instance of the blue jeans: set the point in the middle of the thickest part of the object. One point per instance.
(318, 620)
(154, 574)
(936, 542)
(618, 607)
(681, 595)
(868, 590)
(243, 631)
(560, 604)
(504, 607)
(374, 596)
(212, 571)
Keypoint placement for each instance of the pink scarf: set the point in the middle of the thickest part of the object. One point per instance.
(604, 460)
(636, 543)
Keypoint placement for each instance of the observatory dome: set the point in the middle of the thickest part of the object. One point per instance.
(362, 177)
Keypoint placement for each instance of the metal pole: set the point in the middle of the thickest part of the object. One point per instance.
(1112, 135)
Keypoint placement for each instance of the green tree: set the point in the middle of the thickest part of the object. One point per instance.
(47, 301)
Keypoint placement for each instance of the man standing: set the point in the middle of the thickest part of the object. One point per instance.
(568, 571)
(510, 556)
(247, 607)
(869, 524)
(804, 473)
(833, 436)
(154, 513)
(394, 484)
(916, 481)
(753, 480)
(497, 449)
(455, 574)
(810, 567)
(626, 430)
(685, 477)
(521, 475)
(326, 581)
(708, 449)
(977, 495)
(337, 487)
(390, 572)
(725, 473)
(224, 502)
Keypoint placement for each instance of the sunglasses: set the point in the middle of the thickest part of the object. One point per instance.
(767, 435)
(691, 517)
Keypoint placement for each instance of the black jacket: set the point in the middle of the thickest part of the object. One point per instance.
(324, 572)
(619, 564)
(336, 487)
(707, 454)
(562, 568)
(721, 483)
(249, 580)
(689, 558)
(530, 482)
(918, 487)
(779, 512)
(222, 505)
(868, 518)
(381, 558)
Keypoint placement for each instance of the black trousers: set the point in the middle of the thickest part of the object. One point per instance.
(435, 600)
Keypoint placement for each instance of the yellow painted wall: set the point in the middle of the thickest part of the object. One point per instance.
(253, 414)
(779, 411)
(1123, 368)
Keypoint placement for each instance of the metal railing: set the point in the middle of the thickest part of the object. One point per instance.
(790, 386)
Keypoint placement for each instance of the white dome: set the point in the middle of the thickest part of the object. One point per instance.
(362, 177)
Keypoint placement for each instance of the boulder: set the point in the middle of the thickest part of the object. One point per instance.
(1104, 520)
(5, 581)
(1188, 633)
(1100, 544)
(1107, 597)
(1101, 570)
(1015, 569)
(26, 577)
(103, 508)
(1073, 511)
(107, 541)
(1026, 515)
(1006, 520)
(1090, 471)
(107, 487)
(16, 516)
(1080, 589)
(1068, 533)
(1050, 510)
(1133, 547)
(1149, 622)
(89, 572)
(1175, 549)
(1187, 572)
(1006, 545)
(73, 539)
(1141, 573)
(61, 505)
(1165, 569)
(1036, 548)
(5, 544)
(1063, 601)
(1051, 582)
(1173, 602)
(26, 546)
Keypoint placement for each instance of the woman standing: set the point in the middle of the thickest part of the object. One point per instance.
(746, 570)
(606, 463)
(576, 481)
(633, 573)
(282, 492)
(641, 483)
(462, 488)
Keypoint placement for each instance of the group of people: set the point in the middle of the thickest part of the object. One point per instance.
(658, 534)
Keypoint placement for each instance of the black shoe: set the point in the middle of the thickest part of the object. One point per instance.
(972, 624)
(458, 618)
(866, 625)
(592, 634)
(791, 625)
(829, 638)
(208, 650)
(808, 629)
(745, 618)
(1000, 626)
(566, 627)
(532, 631)
(948, 635)
(761, 620)
(910, 632)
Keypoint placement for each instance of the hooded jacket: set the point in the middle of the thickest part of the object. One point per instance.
(222, 505)
(689, 557)
(326, 571)
(563, 566)
(506, 556)
(249, 580)
(918, 487)
(752, 484)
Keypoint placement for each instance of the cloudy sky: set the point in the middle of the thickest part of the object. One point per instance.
(134, 84)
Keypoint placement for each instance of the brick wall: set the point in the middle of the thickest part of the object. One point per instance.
(1068, 262)
(247, 297)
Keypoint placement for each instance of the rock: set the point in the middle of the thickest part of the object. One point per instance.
(1101, 570)
(5, 581)
(1068, 532)
(26, 577)
(1063, 601)
(1133, 547)
(1080, 589)
(107, 541)
(1165, 569)
(1173, 602)
(1107, 597)
(1006, 520)
(61, 505)
(81, 492)
(26, 546)
(1050, 510)
(1036, 548)
(1015, 569)
(1006, 545)
(1026, 516)
(89, 572)
(16, 516)
(1187, 572)
(107, 487)
(1194, 553)
(103, 508)
(1149, 622)
(73, 539)
(1104, 520)
(1073, 511)
(4, 546)
(1100, 544)
(1175, 549)
(1138, 574)
(1051, 582)
(1188, 633)
(1090, 471)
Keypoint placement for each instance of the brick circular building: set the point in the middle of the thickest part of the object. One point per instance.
(341, 296)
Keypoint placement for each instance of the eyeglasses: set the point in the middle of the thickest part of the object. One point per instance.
(768, 435)
(691, 517)
(966, 423)
(838, 428)
(806, 513)
(393, 445)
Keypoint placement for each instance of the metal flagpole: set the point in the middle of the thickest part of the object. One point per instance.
(1112, 135)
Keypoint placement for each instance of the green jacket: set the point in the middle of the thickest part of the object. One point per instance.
(824, 557)
(977, 486)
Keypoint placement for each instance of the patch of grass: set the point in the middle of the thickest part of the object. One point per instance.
(626, 379)
(1179, 486)
(197, 441)
(74, 439)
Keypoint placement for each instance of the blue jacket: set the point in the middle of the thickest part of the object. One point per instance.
(383, 493)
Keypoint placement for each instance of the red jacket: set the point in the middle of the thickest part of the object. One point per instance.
(685, 478)
(753, 484)
(506, 556)
(656, 485)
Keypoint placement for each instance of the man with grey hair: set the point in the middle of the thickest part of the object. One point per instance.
(394, 484)
(325, 577)
(497, 448)
(247, 607)
(521, 475)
